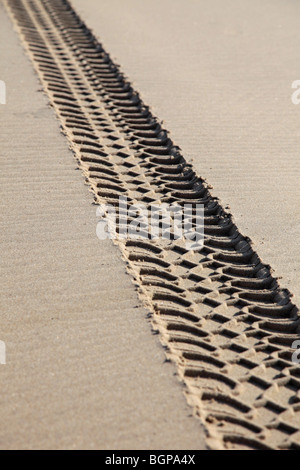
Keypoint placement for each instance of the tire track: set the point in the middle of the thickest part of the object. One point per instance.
(222, 317)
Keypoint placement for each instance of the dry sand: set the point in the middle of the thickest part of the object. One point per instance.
(215, 80)
(83, 369)
(219, 76)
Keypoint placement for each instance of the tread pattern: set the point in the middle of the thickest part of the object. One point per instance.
(222, 317)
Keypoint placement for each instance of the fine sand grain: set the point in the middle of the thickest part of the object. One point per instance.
(219, 75)
(83, 369)
(221, 314)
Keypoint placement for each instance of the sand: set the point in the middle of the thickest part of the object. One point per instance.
(75, 303)
(220, 78)
(83, 369)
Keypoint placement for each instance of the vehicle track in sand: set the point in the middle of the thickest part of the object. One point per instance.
(223, 319)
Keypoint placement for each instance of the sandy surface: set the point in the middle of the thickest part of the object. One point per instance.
(83, 369)
(220, 77)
